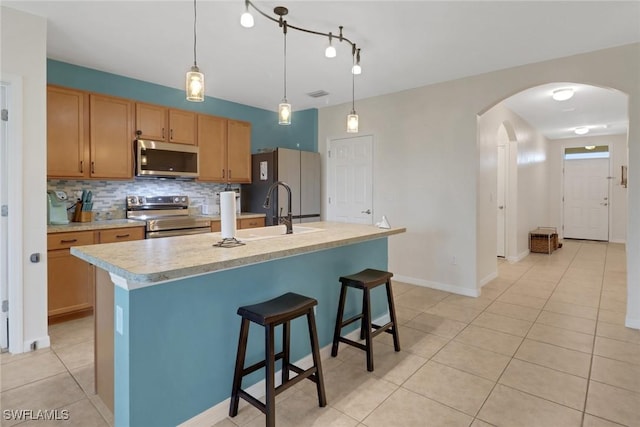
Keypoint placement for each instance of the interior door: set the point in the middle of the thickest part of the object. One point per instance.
(350, 180)
(586, 199)
(4, 226)
(501, 201)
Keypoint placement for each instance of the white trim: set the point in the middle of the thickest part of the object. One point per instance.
(41, 342)
(519, 257)
(487, 279)
(440, 286)
(219, 412)
(16, 244)
(632, 323)
(623, 241)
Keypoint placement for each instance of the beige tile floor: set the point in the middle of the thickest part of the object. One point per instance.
(545, 345)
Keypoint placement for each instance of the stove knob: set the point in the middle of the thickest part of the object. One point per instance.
(184, 199)
(142, 200)
(176, 199)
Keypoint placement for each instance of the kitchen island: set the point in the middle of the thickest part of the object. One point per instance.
(175, 303)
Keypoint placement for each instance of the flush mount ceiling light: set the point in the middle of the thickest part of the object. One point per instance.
(562, 94)
(284, 108)
(582, 130)
(590, 147)
(194, 78)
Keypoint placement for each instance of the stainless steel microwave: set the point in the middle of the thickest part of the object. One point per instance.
(166, 159)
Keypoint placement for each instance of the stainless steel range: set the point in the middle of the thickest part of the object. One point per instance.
(166, 216)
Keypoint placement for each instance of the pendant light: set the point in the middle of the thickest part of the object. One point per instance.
(246, 19)
(357, 69)
(284, 108)
(194, 78)
(352, 117)
(330, 51)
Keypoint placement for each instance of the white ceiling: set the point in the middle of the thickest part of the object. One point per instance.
(405, 44)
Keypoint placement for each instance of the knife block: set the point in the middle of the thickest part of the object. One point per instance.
(82, 216)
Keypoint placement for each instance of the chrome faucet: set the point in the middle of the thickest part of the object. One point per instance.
(288, 220)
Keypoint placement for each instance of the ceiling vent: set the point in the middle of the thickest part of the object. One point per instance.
(318, 93)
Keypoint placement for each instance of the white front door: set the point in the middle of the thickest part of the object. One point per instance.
(586, 199)
(350, 180)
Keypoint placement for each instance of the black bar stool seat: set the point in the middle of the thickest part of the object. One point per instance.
(278, 311)
(365, 280)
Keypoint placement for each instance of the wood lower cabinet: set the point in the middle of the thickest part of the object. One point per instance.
(70, 281)
(120, 234)
(216, 226)
(250, 222)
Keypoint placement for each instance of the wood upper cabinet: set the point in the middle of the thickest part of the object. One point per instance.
(212, 148)
(225, 149)
(182, 127)
(67, 133)
(111, 121)
(238, 151)
(152, 121)
(159, 123)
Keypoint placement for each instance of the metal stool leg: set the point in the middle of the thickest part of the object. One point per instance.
(237, 375)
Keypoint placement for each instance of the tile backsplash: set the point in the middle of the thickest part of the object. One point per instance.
(109, 197)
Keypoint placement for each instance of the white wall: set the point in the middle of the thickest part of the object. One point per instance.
(426, 162)
(527, 206)
(617, 194)
(24, 40)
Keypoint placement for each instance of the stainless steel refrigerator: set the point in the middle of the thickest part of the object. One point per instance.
(299, 169)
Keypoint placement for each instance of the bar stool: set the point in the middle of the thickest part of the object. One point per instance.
(365, 280)
(277, 311)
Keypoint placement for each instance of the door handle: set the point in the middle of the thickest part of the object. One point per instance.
(368, 211)
(604, 204)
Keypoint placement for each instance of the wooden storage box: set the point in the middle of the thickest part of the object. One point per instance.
(543, 240)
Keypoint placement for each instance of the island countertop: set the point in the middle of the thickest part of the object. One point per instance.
(147, 262)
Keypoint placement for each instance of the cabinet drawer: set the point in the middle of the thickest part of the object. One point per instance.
(251, 222)
(66, 240)
(121, 234)
(215, 226)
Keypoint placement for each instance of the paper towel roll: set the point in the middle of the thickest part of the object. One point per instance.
(228, 214)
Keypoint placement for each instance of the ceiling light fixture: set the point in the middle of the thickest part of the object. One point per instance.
(194, 78)
(330, 51)
(562, 94)
(590, 147)
(284, 108)
(246, 19)
(352, 117)
(582, 130)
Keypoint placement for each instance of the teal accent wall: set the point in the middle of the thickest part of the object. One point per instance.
(302, 134)
(177, 355)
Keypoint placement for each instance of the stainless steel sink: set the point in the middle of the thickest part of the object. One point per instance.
(250, 234)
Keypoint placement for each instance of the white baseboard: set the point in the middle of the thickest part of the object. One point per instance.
(519, 257)
(623, 241)
(42, 342)
(487, 279)
(632, 323)
(440, 286)
(219, 412)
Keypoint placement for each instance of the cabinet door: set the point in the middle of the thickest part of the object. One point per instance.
(216, 226)
(212, 147)
(182, 127)
(70, 283)
(67, 142)
(111, 121)
(151, 120)
(238, 151)
(251, 222)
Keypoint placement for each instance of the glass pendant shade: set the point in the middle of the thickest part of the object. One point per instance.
(330, 52)
(246, 20)
(352, 122)
(284, 113)
(195, 85)
(356, 69)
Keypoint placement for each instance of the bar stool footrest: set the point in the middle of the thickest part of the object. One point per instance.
(250, 369)
(380, 329)
(353, 343)
(351, 320)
